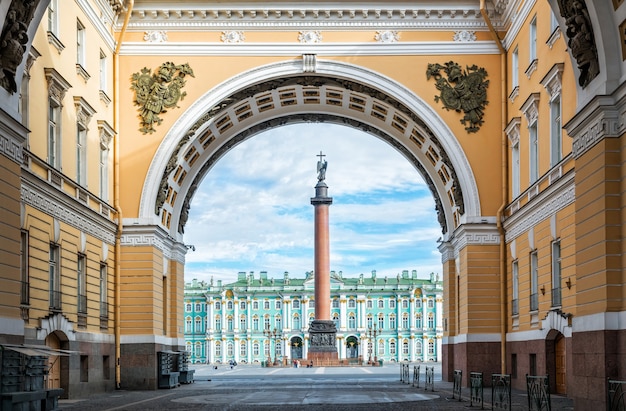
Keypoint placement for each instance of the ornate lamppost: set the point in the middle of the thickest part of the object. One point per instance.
(371, 335)
(275, 335)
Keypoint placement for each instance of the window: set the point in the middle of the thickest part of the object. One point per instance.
(515, 69)
(198, 351)
(431, 320)
(188, 347)
(243, 349)
(405, 347)
(351, 303)
(218, 349)
(554, 23)
(229, 305)
(431, 303)
(255, 349)
(381, 303)
(381, 347)
(103, 72)
(405, 321)
(106, 136)
(418, 347)
(351, 321)
(25, 288)
(392, 322)
(81, 283)
(278, 304)
(418, 321)
(370, 321)
(266, 322)
(311, 303)
(336, 320)
(405, 303)
(556, 273)
(431, 347)
(556, 149)
(242, 305)
(229, 349)
(229, 323)
(296, 322)
(80, 44)
(104, 292)
(255, 323)
(515, 286)
(392, 347)
(532, 46)
(278, 348)
(278, 321)
(534, 153)
(515, 172)
(255, 305)
(54, 136)
(198, 307)
(381, 321)
(392, 302)
(369, 304)
(296, 304)
(266, 348)
(218, 323)
(534, 278)
(188, 307)
(53, 17)
(335, 303)
(418, 303)
(55, 277)
(197, 325)
(188, 324)
(242, 322)
(218, 306)
(84, 368)
(266, 305)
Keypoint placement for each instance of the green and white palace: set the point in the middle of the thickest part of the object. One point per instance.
(265, 320)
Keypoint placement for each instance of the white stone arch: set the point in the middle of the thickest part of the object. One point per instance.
(56, 322)
(331, 69)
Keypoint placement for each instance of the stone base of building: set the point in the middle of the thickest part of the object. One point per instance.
(139, 368)
(471, 357)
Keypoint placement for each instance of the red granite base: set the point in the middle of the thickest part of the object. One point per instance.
(323, 359)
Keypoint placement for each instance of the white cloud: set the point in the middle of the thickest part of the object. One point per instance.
(252, 211)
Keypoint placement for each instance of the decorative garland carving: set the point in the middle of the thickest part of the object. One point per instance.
(463, 90)
(155, 92)
(581, 41)
(13, 41)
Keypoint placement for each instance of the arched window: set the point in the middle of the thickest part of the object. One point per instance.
(381, 303)
(188, 324)
(370, 321)
(188, 346)
(369, 304)
(392, 302)
(218, 323)
(418, 347)
(242, 323)
(266, 348)
(242, 305)
(431, 303)
(218, 349)
(278, 322)
(381, 347)
(255, 323)
(351, 321)
(405, 347)
(266, 304)
(229, 305)
(392, 321)
(255, 348)
(311, 303)
(431, 347)
(311, 317)
(418, 303)
(405, 303)
(335, 303)
(188, 307)
(278, 304)
(243, 349)
(381, 321)
(431, 320)
(296, 304)
(198, 350)
(229, 349)
(296, 322)
(198, 325)
(218, 305)
(198, 307)
(229, 323)
(336, 320)
(418, 321)
(392, 347)
(351, 303)
(255, 305)
(266, 322)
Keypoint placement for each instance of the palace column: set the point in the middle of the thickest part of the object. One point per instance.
(323, 348)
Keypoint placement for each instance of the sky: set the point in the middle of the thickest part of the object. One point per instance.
(253, 212)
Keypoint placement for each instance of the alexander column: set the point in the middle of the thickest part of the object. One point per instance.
(322, 331)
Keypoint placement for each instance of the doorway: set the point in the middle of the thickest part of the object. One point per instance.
(561, 370)
(296, 348)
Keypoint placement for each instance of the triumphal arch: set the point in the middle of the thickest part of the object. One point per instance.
(512, 111)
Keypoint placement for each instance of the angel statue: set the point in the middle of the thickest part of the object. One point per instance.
(156, 92)
(321, 167)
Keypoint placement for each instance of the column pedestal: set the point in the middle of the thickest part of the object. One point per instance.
(322, 343)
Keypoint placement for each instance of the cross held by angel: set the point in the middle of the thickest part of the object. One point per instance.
(321, 167)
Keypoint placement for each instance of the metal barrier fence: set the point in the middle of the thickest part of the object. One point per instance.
(616, 396)
(476, 389)
(538, 390)
(404, 373)
(501, 392)
(456, 385)
(430, 379)
(416, 376)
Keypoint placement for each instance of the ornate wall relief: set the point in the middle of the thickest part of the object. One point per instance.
(13, 41)
(463, 90)
(158, 91)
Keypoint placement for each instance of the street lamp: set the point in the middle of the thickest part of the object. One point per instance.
(371, 334)
(276, 336)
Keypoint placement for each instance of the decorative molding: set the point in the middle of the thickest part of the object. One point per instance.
(387, 36)
(552, 200)
(232, 37)
(514, 94)
(532, 67)
(556, 34)
(474, 234)
(43, 197)
(106, 134)
(512, 130)
(84, 111)
(102, 18)
(12, 138)
(464, 36)
(447, 251)
(155, 36)
(54, 41)
(430, 48)
(57, 85)
(310, 37)
(552, 80)
(55, 322)
(135, 235)
(309, 62)
(530, 108)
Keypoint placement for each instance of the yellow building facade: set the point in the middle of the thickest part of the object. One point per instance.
(113, 111)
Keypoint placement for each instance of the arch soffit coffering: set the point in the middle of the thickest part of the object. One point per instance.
(274, 95)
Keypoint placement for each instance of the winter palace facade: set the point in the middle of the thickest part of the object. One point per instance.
(258, 319)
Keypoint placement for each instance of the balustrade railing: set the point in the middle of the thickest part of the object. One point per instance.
(416, 376)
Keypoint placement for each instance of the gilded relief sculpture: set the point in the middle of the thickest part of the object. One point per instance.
(158, 91)
(463, 90)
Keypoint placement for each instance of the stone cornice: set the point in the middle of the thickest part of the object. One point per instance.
(12, 138)
(43, 197)
(135, 235)
(320, 49)
(556, 197)
(305, 15)
(469, 234)
(603, 117)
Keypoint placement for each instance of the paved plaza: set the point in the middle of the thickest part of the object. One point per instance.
(251, 387)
